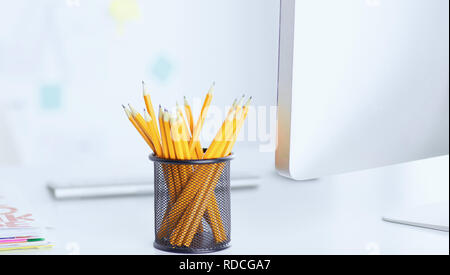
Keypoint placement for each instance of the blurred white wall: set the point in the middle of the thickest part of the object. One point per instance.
(67, 66)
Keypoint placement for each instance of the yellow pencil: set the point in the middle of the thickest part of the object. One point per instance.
(174, 126)
(185, 126)
(172, 153)
(238, 108)
(144, 126)
(223, 131)
(183, 133)
(177, 143)
(189, 115)
(201, 120)
(166, 123)
(130, 117)
(154, 135)
(198, 147)
(151, 112)
(165, 146)
(184, 138)
(216, 146)
(168, 170)
(240, 123)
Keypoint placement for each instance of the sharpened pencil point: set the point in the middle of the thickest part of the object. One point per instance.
(166, 116)
(241, 101)
(144, 88)
(249, 101)
(132, 110)
(235, 103)
(147, 117)
(127, 112)
(213, 86)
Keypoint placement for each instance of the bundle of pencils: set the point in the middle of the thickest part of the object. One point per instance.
(191, 188)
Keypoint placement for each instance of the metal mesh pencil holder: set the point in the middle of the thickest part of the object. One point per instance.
(192, 205)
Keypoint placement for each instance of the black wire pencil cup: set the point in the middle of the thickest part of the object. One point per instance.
(192, 184)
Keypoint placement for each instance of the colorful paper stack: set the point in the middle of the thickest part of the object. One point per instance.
(18, 230)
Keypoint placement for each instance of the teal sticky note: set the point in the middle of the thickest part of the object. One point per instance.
(51, 96)
(162, 69)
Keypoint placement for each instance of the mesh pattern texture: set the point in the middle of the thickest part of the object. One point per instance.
(192, 206)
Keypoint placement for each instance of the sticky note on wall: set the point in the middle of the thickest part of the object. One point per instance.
(162, 69)
(51, 96)
(123, 11)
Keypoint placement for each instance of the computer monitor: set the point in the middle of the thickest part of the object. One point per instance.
(362, 84)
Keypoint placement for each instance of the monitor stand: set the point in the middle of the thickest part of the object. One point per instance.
(432, 216)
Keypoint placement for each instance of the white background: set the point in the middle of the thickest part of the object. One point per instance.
(99, 63)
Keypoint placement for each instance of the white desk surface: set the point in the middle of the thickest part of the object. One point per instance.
(334, 215)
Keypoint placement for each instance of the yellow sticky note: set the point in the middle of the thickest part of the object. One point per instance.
(124, 11)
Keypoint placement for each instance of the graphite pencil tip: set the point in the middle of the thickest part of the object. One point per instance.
(241, 101)
(132, 110)
(249, 101)
(166, 116)
(144, 88)
(235, 103)
(213, 86)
